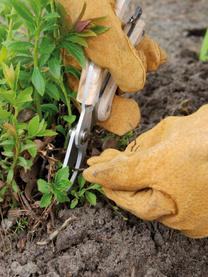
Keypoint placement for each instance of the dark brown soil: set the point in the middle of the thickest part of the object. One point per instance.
(100, 242)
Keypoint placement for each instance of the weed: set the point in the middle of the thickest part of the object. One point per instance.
(204, 50)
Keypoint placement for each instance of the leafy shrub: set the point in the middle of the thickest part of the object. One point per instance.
(35, 102)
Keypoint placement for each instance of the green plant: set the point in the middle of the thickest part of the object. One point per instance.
(21, 225)
(84, 191)
(204, 49)
(56, 189)
(35, 99)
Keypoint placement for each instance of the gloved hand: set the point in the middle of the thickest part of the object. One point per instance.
(113, 51)
(162, 176)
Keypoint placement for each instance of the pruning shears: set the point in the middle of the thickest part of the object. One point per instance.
(96, 92)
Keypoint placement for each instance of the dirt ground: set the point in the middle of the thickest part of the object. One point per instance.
(99, 242)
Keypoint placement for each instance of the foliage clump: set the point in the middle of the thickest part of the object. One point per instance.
(36, 103)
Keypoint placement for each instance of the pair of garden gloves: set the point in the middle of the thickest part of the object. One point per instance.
(163, 175)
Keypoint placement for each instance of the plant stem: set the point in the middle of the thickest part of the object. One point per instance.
(37, 98)
(68, 104)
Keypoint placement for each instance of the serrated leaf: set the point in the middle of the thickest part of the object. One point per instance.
(62, 174)
(43, 186)
(38, 81)
(46, 200)
(91, 198)
(63, 185)
(61, 197)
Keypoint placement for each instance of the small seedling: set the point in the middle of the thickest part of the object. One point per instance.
(204, 50)
(84, 191)
(55, 190)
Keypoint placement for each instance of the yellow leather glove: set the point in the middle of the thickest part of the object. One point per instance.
(162, 176)
(113, 51)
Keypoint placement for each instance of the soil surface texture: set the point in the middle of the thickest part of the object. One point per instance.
(99, 242)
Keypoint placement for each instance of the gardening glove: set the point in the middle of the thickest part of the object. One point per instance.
(163, 175)
(113, 51)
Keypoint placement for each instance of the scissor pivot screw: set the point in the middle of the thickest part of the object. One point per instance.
(84, 137)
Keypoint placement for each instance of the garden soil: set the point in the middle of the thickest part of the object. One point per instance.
(99, 242)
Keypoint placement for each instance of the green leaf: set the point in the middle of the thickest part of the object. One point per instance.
(62, 174)
(15, 187)
(94, 187)
(91, 198)
(47, 46)
(74, 203)
(25, 96)
(26, 164)
(43, 186)
(10, 176)
(20, 46)
(81, 181)
(70, 118)
(50, 108)
(2, 193)
(61, 197)
(87, 34)
(204, 50)
(55, 68)
(4, 115)
(98, 29)
(23, 11)
(53, 91)
(46, 200)
(63, 185)
(77, 39)
(47, 133)
(73, 71)
(60, 129)
(38, 81)
(33, 126)
(8, 154)
(8, 96)
(31, 147)
(75, 51)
